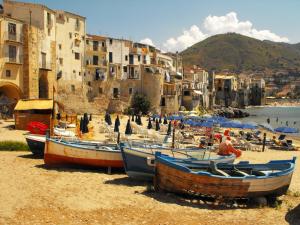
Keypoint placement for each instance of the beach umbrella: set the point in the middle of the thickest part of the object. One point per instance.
(165, 120)
(118, 120)
(128, 130)
(157, 127)
(149, 124)
(90, 117)
(58, 116)
(81, 124)
(290, 130)
(109, 119)
(140, 121)
(117, 124)
(85, 118)
(169, 128)
(160, 120)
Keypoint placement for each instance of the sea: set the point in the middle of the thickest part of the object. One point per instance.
(279, 115)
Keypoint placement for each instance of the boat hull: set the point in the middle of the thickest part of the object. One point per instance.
(57, 153)
(36, 144)
(171, 179)
(141, 165)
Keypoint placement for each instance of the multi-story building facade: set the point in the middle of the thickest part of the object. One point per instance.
(70, 45)
(39, 47)
(195, 88)
(257, 91)
(226, 90)
(11, 60)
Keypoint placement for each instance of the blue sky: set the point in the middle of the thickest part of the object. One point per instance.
(162, 20)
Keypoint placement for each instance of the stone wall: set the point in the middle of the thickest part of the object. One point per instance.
(30, 62)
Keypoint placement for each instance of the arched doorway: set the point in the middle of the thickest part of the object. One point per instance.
(9, 96)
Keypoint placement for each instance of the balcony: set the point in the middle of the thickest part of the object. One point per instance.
(13, 37)
(45, 65)
(99, 49)
(14, 60)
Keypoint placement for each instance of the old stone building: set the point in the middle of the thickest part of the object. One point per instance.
(11, 61)
(195, 88)
(39, 47)
(226, 90)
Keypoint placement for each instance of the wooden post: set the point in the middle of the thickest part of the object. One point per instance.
(173, 138)
(264, 142)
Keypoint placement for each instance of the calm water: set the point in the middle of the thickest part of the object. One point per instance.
(261, 114)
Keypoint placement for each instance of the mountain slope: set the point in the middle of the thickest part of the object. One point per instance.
(239, 53)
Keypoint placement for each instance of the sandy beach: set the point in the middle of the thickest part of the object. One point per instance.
(31, 193)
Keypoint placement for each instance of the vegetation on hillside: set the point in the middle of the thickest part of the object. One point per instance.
(239, 53)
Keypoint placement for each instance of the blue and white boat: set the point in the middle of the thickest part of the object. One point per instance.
(242, 180)
(139, 161)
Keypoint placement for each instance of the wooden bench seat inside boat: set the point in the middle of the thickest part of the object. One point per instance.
(214, 170)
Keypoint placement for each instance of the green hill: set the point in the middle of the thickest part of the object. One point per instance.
(239, 53)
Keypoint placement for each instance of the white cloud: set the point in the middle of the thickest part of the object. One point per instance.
(219, 25)
(188, 38)
(147, 41)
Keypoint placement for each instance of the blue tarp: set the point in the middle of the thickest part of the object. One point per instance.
(287, 130)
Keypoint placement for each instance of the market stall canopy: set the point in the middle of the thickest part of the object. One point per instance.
(37, 104)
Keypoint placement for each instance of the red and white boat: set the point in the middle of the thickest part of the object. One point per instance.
(94, 154)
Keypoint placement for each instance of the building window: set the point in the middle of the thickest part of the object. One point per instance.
(87, 62)
(116, 92)
(100, 90)
(186, 93)
(110, 57)
(89, 83)
(163, 102)
(95, 45)
(87, 42)
(103, 44)
(77, 25)
(49, 19)
(77, 56)
(125, 69)
(70, 35)
(73, 88)
(130, 91)
(95, 60)
(60, 46)
(12, 53)
(61, 61)
(8, 73)
(79, 73)
(12, 31)
(139, 58)
(49, 32)
(110, 41)
(126, 57)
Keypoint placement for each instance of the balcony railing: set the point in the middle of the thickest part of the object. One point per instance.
(14, 37)
(96, 48)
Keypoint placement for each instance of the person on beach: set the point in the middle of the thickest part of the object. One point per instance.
(277, 120)
(287, 123)
(268, 120)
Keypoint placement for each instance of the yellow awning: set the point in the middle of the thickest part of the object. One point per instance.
(40, 104)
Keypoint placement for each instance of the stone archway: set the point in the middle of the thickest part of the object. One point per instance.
(9, 96)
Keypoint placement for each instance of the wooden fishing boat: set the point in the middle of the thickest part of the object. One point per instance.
(36, 143)
(242, 180)
(139, 161)
(94, 154)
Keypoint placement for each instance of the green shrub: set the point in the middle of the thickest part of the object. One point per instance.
(13, 146)
(140, 103)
